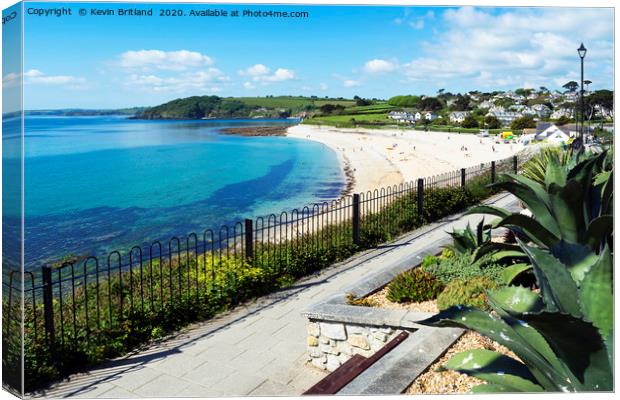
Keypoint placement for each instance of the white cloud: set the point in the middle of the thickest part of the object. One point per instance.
(417, 24)
(256, 70)
(378, 66)
(262, 73)
(11, 80)
(323, 86)
(37, 77)
(413, 19)
(164, 60)
(281, 74)
(512, 48)
(190, 82)
(351, 83)
(249, 85)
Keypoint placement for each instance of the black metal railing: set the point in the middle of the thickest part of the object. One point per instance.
(72, 301)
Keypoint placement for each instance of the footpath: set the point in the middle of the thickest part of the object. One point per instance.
(258, 349)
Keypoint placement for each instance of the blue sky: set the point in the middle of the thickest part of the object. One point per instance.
(370, 51)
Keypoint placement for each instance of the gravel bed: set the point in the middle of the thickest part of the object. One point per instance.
(379, 299)
(432, 381)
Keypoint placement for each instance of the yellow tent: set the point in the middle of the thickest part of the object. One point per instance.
(506, 135)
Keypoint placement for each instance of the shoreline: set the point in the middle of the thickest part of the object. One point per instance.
(371, 159)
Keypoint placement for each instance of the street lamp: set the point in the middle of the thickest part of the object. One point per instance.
(582, 54)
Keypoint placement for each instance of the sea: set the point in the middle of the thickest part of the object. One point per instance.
(100, 183)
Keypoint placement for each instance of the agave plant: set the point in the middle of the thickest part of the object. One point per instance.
(535, 168)
(467, 241)
(571, 212)
(563, 336)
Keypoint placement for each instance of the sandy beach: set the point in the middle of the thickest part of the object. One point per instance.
(376, 158)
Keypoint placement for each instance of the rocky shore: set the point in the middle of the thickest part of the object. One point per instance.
(256, 131)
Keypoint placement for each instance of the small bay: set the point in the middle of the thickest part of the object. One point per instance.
(95, 184)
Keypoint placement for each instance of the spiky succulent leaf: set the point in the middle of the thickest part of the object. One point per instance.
(567, 204)
(494, 247)
(544, 360)
(535, 197)
(491, 210)
(596, 295)
(558, 289)
(534, 229)
(528, 345)
(510, 273)
(598, 231)
(555, 174)
(494, 368)
(575, 341)
(578, 259)
(516, 300)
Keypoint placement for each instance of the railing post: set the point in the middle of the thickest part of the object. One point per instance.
(48, 310)
(420, 197)
(356, 219)
(492, 171)
(514, 163)
(462, 176)
(249, 240)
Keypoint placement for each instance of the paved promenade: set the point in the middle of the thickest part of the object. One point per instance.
(258, 349)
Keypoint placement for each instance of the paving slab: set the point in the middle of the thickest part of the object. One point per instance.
(200, 360)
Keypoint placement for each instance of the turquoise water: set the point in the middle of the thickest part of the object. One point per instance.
(93, 184)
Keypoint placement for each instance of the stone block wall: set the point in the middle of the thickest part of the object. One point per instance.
(330, 344)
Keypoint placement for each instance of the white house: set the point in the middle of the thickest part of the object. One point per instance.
(541, 110)
(562, 112)
(557, 137)
(505, 117)
(458, 116)
(418, 116)
(429, 116)
(486, 104)
(552, 133)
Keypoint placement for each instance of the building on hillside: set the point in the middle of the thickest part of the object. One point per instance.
(486, 104)
(430, 116)
(562, 112)
(541, 110)
(505, 117)
(550, 132)
(400, 116)
(458, 116)
(558, 137)
(570, 96)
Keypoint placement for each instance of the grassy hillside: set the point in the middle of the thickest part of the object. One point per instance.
(351, 120)
(294, 103)
(197, 107)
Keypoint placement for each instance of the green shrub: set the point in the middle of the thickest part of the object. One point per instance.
(447, 253)
(430, 260)
(413, 286)
(461, 267)
(470, 293)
